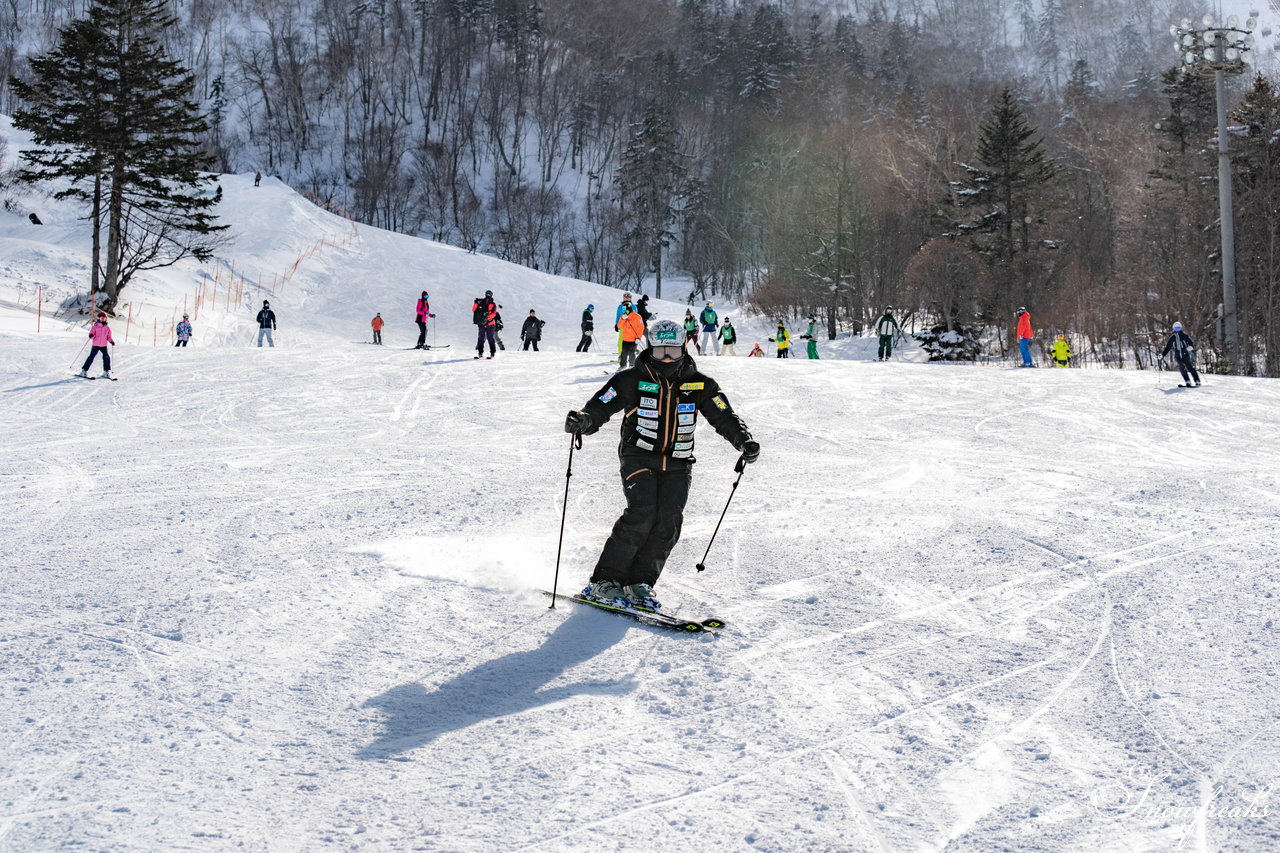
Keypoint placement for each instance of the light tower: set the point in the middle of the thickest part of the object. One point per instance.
(1219, 50)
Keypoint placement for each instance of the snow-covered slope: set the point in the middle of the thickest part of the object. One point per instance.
(286, 599)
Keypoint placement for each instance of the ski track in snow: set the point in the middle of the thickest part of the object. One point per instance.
(286, 599)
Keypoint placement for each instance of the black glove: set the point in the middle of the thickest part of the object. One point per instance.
(750, 450)
(577, 423)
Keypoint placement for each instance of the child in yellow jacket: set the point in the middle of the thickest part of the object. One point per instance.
(1061, 351)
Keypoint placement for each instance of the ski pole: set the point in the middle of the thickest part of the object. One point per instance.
(82, 346)
(740, 467)
(574, 441)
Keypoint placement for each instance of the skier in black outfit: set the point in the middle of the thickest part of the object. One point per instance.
(531, 331)
(266, 324)
(1184, 353)
(661, 396)
(588, 327)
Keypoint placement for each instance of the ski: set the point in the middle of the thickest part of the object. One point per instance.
(646, 617)
(91, 378)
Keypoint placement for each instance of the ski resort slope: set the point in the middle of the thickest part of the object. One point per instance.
(286, 599)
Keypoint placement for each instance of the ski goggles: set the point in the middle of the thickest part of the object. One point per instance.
(664, 352)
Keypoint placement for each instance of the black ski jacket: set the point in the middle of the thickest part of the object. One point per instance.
(660, 414)
(1181, 345)
(588, 321)
(532, 329)
(266, 319)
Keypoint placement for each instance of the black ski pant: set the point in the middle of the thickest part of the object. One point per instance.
(377, 336)
(422, 333)
(106, 358)
(486, 333)
(1185, 366)
(648, 528)
(180, 343)
(886, 346)
(585, 343)
(528, 342)
(628, 356)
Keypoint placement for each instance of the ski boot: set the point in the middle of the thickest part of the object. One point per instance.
(106, 374)
(606, 592)
(641, 597)
(83, 374)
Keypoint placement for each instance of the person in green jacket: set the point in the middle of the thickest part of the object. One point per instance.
(886, 328)
(811, 338)
(783, 339)
(1061, 351)
(728, 337)
(691, 330)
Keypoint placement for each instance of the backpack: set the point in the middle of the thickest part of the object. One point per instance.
(479, 312)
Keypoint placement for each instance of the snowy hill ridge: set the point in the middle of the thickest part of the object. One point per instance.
(286, 599)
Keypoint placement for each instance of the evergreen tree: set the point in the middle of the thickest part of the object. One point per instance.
(117, 123)
(651, 178)
(1013, 177)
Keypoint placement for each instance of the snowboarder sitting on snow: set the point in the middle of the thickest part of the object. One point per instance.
(1184, 353)
(531, 331)
(1061, 351)
(100, 335)
(661, 397)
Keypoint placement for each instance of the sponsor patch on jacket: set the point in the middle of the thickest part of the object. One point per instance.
(693, 386)
(681, 454)
(685, 430)
(720, 402)
(648, 413)
(648, 433)
(608, 395)
(687, 407)
(648, 402)
(685, 419)
(683, 445)
(644, 445)
(649, 386)
(653, 425)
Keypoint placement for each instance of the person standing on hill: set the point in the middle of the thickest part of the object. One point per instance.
(661, 398)
(421, 312)
(728, 337)
(1184, 354)
(811, 338)
(710, 329)
(1025, 336)
(886, 328)
(1061, 351)
(377, 323)
(184, 331)
(100, 337)
(783, 339)
(531, 331)
(691, 330)
(642, 308)
(623, 307)
(588, 327)
(484, 313)
(266, 324)
(632, 329)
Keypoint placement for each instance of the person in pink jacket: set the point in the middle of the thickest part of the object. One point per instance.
(100, 335)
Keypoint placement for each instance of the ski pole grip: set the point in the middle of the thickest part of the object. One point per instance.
(741, 466)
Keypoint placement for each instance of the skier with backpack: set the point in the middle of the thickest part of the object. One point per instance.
(661, 398)
(531, 331)
(484, 313)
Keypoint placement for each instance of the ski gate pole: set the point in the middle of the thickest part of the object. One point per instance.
(740, 467)
(574, 441)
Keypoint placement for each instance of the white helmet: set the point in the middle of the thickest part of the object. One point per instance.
(665, 333)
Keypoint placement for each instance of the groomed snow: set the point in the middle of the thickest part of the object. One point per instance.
(285, 599)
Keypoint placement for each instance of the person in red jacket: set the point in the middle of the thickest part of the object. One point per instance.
(1024, 337)
(100, 335)
(377, 323)
(484, 313)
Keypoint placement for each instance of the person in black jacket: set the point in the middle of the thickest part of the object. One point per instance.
(531, 331)
(588, 327)
(661, 398)
(1184, 353)
(266, 323)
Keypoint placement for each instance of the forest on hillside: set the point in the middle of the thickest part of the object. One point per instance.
(957, 159)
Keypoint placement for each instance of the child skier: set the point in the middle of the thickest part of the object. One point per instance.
(756, 352)
(1061, 351)
(184, 331)
(100, 336)
(661, 397)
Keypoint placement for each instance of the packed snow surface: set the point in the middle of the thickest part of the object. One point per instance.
(287, 599)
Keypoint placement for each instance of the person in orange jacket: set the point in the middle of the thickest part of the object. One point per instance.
(377, 324)
(631, 328)
(1024, 337)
